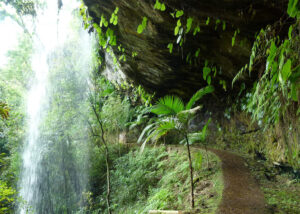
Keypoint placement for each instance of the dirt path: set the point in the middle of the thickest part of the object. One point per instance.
(241, 194)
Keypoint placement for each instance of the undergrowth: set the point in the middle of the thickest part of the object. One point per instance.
(158, 179)
(280, 186)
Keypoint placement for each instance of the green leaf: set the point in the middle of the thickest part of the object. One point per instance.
(208, 80)
(207, 21)
(189, 23)
(198, 161)
(198, 95)
(179, 23)
(140, 29)
(294, 92)
(176, 30)
(196, 30)
(168, 105)
(223, 83)
(272, 53)
(144, 23)
(293, 8)
(145, 130)
(170, 46)
(112, 18)
(197, 53)
(206, 71)
(142, 26)
(286, 70)
(290, 32)
(157, 5)
(224, 25)
(233, 41)
(98, 29)
(163, 7)
(103, 22)
(179, 13)
(115, 22)
(234, 37)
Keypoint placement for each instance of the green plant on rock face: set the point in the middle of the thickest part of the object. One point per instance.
(275, 98)
(174, 115)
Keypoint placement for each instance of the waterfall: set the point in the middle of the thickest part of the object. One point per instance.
(55, 152)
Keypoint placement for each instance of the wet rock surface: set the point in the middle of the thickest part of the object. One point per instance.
(164, 73)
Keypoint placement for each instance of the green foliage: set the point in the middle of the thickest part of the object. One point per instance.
(196, 30)
(22, 7)
(207, 21)
(172, 190)
(6, 198)
(293, 8)
(153, 179)
(198, 95)
(236, 32)
(87, 19)
(142, 26)
(198, 159)
(4, 110)
(189, 23)
(168, 105)
(159, 6)
(170, 46)
(218, 21)
(177, 28)
(274, 99)
(224, 25)
(179, 13)
(278, 78)
(197, 136)
(174, 115)
(13, 86)
(134, 175)
(115, 113)
(114, 17)
(97, 175)
(145, 97)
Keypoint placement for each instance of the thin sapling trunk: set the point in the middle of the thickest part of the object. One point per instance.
(191, 171)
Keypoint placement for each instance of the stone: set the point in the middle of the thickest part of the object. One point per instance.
(163, 73)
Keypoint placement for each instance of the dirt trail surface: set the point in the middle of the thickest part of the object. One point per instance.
(241, 194)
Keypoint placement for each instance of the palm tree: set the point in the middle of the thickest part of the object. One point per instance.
(174, 115)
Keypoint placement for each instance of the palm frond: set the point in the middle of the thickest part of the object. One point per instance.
(147, 129)
(168, 105)
(160, 129)
(164, 128)
(198, 95)
(193, 137)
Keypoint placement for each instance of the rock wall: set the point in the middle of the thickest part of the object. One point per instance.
(164, 73)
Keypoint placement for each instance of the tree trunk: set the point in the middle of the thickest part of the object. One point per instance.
(107, 179)
(206, 156)
(191, 171)
(106, 159)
